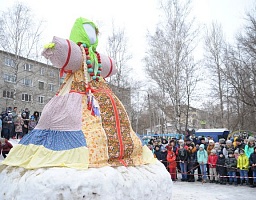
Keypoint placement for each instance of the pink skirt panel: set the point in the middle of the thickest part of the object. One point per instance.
(63, 113)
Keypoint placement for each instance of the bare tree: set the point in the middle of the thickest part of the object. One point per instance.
(168, 59)
(117, 49)
(19, 37)
(240, 73)
(122, 83)
(214, 53)
(19, 34)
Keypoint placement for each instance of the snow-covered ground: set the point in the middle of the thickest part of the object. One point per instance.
(211, 191)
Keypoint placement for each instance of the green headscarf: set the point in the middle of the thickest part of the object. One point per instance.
(78, 33)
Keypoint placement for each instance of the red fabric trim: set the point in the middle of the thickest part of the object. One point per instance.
(111, 67)
(121, 146)
(67, 60)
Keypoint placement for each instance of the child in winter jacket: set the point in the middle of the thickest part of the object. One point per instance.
(221, 169)
(191, 162)
(5, 146)
(243, 166)
(212, 161)
(171, 159)
(249, 148)
(231, 164)
(202, 158)
(183, 160)
(252, 161)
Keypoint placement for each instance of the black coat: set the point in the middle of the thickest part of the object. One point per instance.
(220, 165)
(183, 154)
(231, 164)
(252, 160)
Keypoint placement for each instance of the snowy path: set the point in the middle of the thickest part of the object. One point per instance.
(211, 191)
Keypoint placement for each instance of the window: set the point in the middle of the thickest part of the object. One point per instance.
(42, 71)
(26, 97)
(41, 85)
(28, 67)
(27, 82)
(41, 99)
(50, 87)
(51, 73)
(9, 78)
(7, 94)
(9, 62)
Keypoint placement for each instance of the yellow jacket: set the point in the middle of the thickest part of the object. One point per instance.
(243, 162)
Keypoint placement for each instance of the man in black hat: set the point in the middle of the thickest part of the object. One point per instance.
(239, 144)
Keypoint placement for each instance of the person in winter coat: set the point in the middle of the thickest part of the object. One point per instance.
(5, 146)
(36, 116)
(18, 127)
(191, 162)
(249, 148)
(218, 148)
(32, 123)
(221, 169)
(243, 166)
(252, 161)
(239, 144)
(160, 154)
(183, 160)
(8, 126)
(231, 164)
(229, 147)
(212, 161)
(171, 159)
(210, 147)
(25, 123)
(202, 158)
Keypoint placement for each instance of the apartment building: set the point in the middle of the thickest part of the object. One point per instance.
(26, 83)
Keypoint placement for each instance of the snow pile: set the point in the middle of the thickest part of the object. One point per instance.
(108, 183)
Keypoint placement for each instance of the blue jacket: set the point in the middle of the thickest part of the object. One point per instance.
(202, 156)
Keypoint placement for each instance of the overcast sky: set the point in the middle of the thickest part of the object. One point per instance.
(136, 16)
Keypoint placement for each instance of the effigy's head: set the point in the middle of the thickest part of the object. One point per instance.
(67, 55)
(84, 31)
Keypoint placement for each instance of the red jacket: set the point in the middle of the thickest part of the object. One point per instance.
(212, 160)
(171, 159)
(5, 147)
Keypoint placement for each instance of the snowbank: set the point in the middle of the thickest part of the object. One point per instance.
(124, 183)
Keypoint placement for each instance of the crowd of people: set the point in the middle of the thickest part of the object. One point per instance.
(231, 162)
(15, 124)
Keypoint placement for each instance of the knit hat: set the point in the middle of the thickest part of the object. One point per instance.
(217, 145)
(201, 146)
(238, 140)
(228, 142)
(236, 151)
(221, 140)
(241, 151)
(181, 141)
(213, 151)
(211, 141)
(251, 139)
